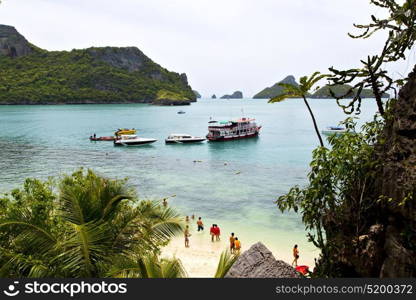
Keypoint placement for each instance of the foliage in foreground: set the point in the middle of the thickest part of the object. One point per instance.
(340, 190)
(90, 227)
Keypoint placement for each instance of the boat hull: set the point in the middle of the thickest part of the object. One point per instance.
(133, 143)
(184, 141)
(231, 138)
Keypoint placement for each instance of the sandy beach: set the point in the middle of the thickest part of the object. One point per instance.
(201, 258)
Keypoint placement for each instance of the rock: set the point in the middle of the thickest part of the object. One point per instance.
(12, 43)
(235, 95)
(397, 181)
(259, 262)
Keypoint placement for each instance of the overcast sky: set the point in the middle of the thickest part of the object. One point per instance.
(222, 45)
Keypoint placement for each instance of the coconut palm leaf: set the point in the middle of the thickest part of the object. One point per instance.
(225, 263)
(86, 245)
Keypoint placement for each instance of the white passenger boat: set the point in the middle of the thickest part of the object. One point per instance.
(132, 140)
(183, 138)
(334, 130)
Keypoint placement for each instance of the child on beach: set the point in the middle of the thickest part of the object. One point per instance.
(295, 255)
(187, 219)
(187, 235)
(200, 224)
(237, 245)
(232, 245)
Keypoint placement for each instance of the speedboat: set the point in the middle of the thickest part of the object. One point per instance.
(183, 138)
(125, 131)
(334, 130)
(181, 112)
(132, 140)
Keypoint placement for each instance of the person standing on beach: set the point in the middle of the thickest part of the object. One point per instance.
(217, 233)
(187, 235)
(212, 232)
(187, 219)
(237, 245)
(200, 224)
(295, 255)
(232, 245)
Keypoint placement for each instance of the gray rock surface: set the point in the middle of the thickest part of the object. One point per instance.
(12, 43)
(259, 262)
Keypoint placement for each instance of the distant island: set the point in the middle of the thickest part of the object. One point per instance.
(235, 95)
(30, 75)
(322, 93)
(214, 97)
(276, 89)
(341, 90)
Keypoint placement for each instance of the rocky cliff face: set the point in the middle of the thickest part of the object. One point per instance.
(398, 182)
(12, 43)
(259, 262)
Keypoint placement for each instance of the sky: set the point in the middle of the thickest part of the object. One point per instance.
(222, 45)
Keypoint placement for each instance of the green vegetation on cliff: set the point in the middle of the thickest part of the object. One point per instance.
(94, 75)
(341, 90)
(276, 89)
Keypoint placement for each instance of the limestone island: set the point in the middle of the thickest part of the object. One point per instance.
(235, 95)
(276, 89)
(31, 75)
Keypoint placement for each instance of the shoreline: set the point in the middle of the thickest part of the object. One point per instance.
(200, 260)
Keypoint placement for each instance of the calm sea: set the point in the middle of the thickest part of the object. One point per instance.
(232, 184)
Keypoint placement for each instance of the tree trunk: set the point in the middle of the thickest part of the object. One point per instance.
(314, 122)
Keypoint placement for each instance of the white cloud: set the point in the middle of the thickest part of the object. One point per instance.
(222, 45)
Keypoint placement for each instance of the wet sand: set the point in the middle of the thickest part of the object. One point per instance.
(201, 258)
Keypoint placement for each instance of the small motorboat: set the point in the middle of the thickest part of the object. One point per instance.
(102, 138)
(132, 140)
(181, 112)
(334, 130)
(183, 138)
(125, 131)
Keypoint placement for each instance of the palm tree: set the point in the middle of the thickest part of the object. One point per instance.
(301, 91)
(225, 263)
(92, 225)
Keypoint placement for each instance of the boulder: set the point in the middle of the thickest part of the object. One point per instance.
(259, 262)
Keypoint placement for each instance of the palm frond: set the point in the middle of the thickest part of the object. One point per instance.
(225, 263)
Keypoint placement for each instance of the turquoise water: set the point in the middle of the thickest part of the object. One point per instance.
(232, 184)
